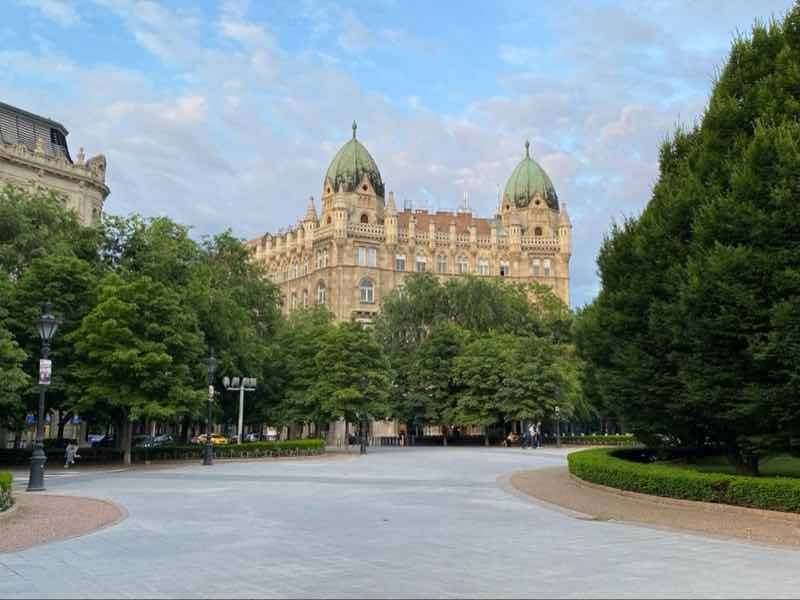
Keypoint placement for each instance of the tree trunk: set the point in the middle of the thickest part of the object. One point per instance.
(62, 422)
(126, 435)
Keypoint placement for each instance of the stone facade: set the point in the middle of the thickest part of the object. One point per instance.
(360, 247)
(34, 154)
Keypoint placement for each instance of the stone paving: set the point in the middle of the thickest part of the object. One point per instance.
(399, 522)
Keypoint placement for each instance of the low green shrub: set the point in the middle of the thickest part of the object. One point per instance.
(595, 440)
(601, 466)
(246, 450)
(6, 499)
(22, 456)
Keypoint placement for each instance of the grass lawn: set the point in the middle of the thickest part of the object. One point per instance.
(779, 464)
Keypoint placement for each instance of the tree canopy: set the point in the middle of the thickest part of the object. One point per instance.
(690, 339)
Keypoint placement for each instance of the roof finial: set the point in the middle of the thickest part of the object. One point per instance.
(355, 126)
(527, 148)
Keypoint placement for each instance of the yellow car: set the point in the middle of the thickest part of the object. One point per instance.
(216, 439)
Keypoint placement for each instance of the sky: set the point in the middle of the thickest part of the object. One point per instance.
(226, 114)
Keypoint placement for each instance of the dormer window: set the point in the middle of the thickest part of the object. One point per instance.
(364, 218)
(537, 232)
(328, 221)
(364, 187)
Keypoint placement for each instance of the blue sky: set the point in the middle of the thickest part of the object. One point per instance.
(225, 114)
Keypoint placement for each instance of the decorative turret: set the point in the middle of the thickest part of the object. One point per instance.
(390, 220)
(352, 170)
(529, 184)
(565, 230)
(311, 211)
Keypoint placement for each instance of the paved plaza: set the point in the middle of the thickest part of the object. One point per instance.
(399, 522)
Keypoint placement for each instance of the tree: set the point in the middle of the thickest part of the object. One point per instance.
(353, 375)
(13, 379)
(687, 339)
(299, 341)
(432, 384)
(67, 281)
(34, 224)
(138, 354)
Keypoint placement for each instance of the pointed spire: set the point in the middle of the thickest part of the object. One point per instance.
(355, 126)
(390, 207)
(527, 149)
(563, 217)
(311, 212)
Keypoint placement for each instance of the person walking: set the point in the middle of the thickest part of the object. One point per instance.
(539, 434)
(532, 435)
(70, 454)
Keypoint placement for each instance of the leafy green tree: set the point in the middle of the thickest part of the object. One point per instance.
(432, 387)
(34, 224)
(13, 379)
(352, 375)
(68, 282)
(138, 354)
(687, 339)
(299, 341)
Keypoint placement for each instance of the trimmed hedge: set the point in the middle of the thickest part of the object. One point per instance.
(595, 440)
(601, 466)
(246, 450)
(6, 499)
(22, 456)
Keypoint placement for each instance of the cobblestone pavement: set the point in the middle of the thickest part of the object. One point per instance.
(399, 522)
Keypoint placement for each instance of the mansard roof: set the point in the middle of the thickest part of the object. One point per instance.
(18, 126)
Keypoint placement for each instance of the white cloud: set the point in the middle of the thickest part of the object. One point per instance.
(62, 12)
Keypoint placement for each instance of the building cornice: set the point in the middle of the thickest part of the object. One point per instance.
(90, 173)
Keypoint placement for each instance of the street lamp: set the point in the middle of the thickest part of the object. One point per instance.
(211, 365)
(46, 325)
(245, 384)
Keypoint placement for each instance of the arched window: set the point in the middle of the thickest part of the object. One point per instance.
(463, 264)
(328, 220)
(504, 269)
(305, 298)
(536, 267)
(483, 267)
(366, 291)
(321, 293)
(537, 232)
(364, 218)
(547, 267)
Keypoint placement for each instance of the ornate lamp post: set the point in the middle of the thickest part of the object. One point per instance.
(211, 365)
(46, 326)
(245, 384)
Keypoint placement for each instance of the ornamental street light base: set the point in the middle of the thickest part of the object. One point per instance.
(36, 478)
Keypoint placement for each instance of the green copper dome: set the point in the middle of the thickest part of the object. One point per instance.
(527, 179)
(349, 166)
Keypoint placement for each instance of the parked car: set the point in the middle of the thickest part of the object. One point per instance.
(252, 437)
(142, 441)
(163, 440)
(216, 439)
(94, 437)
(107, 441)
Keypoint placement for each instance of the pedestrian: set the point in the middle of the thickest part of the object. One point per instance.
(532, 435)
(70, 454)
(539, 434)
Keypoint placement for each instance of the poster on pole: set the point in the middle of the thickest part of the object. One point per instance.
(45, 371)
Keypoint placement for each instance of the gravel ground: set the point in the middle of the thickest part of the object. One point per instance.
(40, 518)
(555, 486)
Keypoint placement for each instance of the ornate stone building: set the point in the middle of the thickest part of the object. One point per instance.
(360, 246)
(34, 153)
